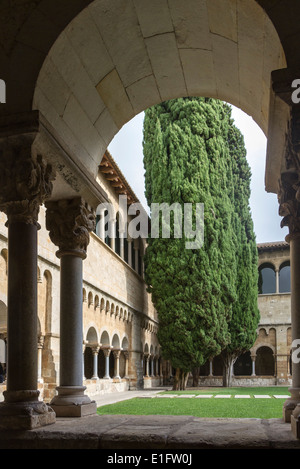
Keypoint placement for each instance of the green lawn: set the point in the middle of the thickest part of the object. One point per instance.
(206, 407)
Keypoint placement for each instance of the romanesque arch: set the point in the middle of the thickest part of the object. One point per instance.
(104, 78)
(98, 63)
(265, 362)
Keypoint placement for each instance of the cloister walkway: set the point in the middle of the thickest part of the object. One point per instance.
(154, 432)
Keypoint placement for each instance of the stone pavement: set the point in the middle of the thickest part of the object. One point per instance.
(154, 432)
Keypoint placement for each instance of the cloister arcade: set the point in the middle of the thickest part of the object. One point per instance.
(75, 73)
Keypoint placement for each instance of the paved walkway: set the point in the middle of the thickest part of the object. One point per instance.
(112, 398)
(152, 432)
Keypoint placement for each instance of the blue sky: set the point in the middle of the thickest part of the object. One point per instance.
(126, 149)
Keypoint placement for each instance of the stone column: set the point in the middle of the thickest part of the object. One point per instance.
(25, 182)
(100, 229)
(277, 279)
(69, 223)
(117, 364)
(106, 352)
(95, 361)
(253, 358)
(40, 351)
(152, 365)
(126, 355)
(121, 238)
(147, 365)
(210, 367)
(289, 200)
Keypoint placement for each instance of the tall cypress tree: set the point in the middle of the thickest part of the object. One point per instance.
(205, 298)
(245, 313)
(185, 158)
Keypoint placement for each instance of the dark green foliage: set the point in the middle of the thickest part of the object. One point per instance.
(204, 297)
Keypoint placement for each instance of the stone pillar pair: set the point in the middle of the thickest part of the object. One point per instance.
(25, 184)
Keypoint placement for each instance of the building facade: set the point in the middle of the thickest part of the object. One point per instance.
(268, 362)
(120, 349)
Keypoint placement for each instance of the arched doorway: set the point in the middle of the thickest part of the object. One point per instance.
(264, 363)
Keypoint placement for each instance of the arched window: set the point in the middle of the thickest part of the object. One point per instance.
(266, 279)
(285, 278)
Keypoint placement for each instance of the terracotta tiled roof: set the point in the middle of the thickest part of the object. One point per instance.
(273, 245)
(112, 173)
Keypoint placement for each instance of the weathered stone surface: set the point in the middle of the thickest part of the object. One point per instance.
(155, 432)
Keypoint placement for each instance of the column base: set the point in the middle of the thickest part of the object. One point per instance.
(290, 404)
(21, 410)
(295, 422)
(72, 402)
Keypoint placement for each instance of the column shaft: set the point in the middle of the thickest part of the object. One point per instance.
(71, 321)
(22, 307)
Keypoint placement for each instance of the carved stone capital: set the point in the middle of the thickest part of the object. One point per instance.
(289, 202)
(117, 353)
(69, 223)
(25, 179)
(106, 352)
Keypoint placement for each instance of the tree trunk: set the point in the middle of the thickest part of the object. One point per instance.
(180, 380)
(195, 373)
(228, 362)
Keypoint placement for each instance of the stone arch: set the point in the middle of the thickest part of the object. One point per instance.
(172, 50)
(104, 338)
(115, 341)
(265, 362)
(243, 365)
(90, 299)
(92, 336)
(96, 302)
(125, 343)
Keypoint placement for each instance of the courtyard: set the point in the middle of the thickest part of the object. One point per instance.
(119, 434)
(238, 402)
